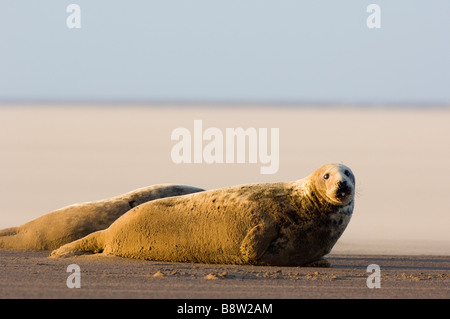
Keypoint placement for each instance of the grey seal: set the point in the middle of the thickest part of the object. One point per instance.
(284, 223)
(73, 222)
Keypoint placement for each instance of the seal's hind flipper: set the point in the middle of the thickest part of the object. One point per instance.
(9, 231)
(8, 236)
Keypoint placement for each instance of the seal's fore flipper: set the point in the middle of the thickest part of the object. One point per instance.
(256, 242)
(91, 244)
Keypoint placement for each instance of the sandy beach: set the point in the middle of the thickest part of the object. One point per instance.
(34, 275)
(54, 156)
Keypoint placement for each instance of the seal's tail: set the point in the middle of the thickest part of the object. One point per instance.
(7, 237)
(91, 244)
(8, 231)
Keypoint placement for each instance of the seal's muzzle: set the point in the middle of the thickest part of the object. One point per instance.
(343, 189)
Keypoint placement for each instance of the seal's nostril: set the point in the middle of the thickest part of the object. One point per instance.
(342, 183)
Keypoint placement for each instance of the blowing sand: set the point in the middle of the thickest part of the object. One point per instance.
(59, 155)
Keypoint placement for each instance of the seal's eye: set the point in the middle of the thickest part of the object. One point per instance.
(326, 176)
(347, 173)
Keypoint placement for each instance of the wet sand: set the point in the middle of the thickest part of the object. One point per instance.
(26, 274)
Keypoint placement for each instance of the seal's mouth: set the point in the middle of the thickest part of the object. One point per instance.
(341, 194)
(343, 191)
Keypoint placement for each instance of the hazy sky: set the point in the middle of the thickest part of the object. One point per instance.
(234, 50)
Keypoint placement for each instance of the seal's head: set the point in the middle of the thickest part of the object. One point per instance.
(335, 183)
